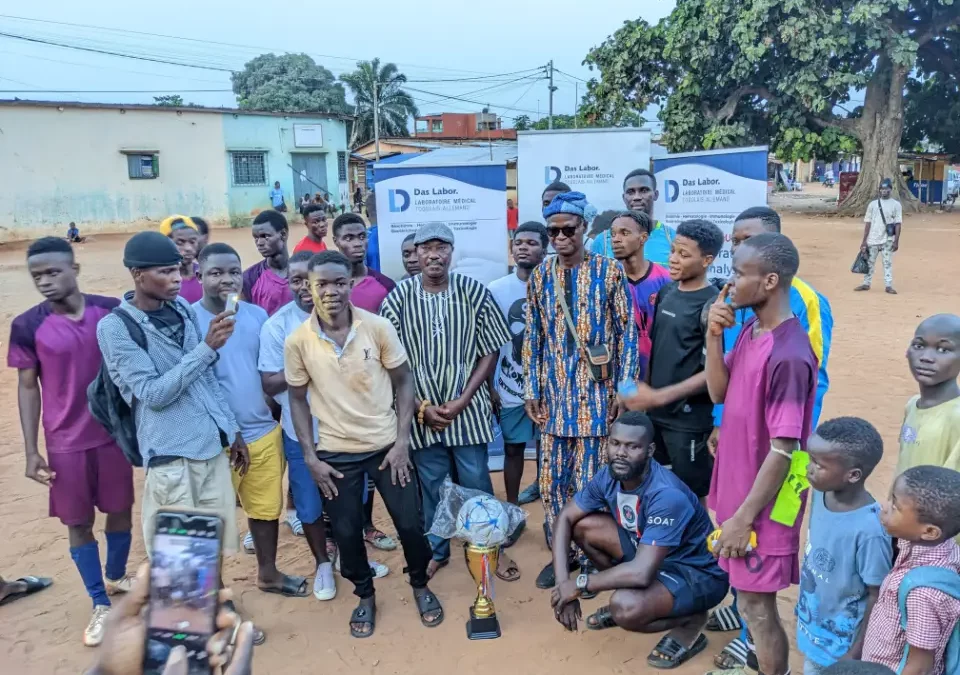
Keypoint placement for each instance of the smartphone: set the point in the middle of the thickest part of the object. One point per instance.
(184, 586)
(233, 300)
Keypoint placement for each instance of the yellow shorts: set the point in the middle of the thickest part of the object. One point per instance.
(261, 488)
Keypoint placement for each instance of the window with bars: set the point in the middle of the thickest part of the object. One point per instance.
(143, 166)
(342, 166)
(249, 168)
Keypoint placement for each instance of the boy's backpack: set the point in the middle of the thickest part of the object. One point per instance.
(943, 580)
(107, 405)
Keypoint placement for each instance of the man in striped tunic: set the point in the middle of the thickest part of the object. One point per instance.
(452, 330)
(573, 409)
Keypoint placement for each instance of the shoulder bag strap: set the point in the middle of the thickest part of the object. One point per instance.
(562, 297)
(882, 216)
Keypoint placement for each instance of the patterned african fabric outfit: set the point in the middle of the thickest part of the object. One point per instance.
(557, 373)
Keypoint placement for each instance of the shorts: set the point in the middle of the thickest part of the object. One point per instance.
(306, 494)
(694, 589)
(759, 573)
(516, 426)
(687, 455)
(98, 478)
(261, 488)
(191, 484)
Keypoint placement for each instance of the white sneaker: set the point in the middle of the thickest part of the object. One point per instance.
(93, 635)
(325, 584)
(379, 569)
(121, 585)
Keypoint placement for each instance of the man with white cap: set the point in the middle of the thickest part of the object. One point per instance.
(452, 330)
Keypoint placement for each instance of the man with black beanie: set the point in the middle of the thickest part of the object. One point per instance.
(185, 429)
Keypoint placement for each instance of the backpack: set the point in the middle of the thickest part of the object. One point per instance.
(943, 580)
(107, 405)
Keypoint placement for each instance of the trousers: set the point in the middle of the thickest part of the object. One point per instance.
(885, 251)
(567, 464)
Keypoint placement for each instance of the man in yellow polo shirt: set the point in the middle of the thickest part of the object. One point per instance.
(355, 368)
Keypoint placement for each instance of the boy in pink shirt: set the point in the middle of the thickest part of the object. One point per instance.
(768, 382)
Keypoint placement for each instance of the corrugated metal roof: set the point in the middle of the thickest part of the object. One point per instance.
(25, 103)
(464, 156)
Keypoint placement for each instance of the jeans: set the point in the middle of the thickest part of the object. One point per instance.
(436, 462)
(885, 251)
(306, 493)
(347, 518)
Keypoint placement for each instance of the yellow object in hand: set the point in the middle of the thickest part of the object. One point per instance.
(714, 537)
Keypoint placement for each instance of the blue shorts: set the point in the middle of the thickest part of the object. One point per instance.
(694, 589)
(516, 426)
(306, 492)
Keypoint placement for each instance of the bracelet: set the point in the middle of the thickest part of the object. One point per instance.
(423, 407)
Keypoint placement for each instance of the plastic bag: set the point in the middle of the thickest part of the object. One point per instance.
(474, 516)
(862, 264)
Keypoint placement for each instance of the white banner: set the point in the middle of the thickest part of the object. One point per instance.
(591, 161)
(470, 200)
(714, 185)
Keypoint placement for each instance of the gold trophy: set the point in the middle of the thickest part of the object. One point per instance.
(482, 564)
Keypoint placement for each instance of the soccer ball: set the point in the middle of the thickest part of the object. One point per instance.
(483, 521)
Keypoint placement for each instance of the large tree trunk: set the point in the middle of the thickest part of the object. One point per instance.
(879, 131)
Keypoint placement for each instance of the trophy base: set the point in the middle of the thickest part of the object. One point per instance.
(483, 629)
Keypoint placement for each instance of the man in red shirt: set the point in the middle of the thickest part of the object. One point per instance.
(315, 218)
(513, 217)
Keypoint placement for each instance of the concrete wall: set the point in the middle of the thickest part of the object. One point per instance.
(57, 166)
(274, 135)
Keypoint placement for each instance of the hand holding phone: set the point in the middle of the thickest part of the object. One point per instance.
(184, 589)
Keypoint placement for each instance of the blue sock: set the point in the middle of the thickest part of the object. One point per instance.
(118, 550)
(87, 559)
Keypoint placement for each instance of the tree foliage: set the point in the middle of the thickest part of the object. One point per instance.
(394, 105)
(288, 83)
(788, 73)
(170, 100)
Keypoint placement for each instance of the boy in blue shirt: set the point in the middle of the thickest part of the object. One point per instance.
(848, 552)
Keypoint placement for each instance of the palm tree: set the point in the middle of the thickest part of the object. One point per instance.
(395, 105)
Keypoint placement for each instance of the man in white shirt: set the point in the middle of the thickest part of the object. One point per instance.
(881, 235)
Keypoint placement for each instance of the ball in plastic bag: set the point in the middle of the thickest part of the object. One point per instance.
(483, 521)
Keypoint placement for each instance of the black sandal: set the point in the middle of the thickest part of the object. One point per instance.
(600, 620)
(427, 602)
(673, 654)
(364, 614)
(291, 587)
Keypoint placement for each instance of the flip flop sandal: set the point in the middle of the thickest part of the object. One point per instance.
(366, 615)
(672, 653)
(292, 587)
(379, 540)
(34, 585)
(295, 524)
(512, 573)
(248, 545)
(440, 565)
(733, 656)
(724, 619)
(427, 602)
(600, 620)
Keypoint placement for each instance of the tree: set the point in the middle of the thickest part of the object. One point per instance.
(395, 106)
(522, 123)
(783, 72)
(171, 100)
(288, 83)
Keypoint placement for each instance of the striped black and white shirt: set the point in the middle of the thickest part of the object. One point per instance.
(445, 335)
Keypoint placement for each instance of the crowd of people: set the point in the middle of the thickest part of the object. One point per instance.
(651, 391)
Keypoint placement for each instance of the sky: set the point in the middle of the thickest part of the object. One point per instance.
(428, 40)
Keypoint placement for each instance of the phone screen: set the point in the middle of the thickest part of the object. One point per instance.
(184, 584)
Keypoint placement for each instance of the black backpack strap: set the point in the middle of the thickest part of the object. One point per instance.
(134, 328)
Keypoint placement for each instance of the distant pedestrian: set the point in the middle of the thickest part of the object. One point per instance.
(276, 198)
(881, 235)
(357, 199)
(513, 217)
(73, 234)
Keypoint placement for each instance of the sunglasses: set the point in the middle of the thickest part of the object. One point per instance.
(567, 231)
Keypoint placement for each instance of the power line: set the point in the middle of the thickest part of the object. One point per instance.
(224, 44)
(484, 77)
(574, 77)
(112, 91)
(466, 100)
(101, 66)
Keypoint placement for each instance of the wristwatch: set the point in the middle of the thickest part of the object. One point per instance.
(582, 583)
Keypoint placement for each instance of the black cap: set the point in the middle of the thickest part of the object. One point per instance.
(886, 183)
(150, 249)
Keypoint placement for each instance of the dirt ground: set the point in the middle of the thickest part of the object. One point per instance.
(869, 378)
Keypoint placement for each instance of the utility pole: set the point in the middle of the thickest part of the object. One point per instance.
(552, 89)
(576, 105)
(376, 119)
